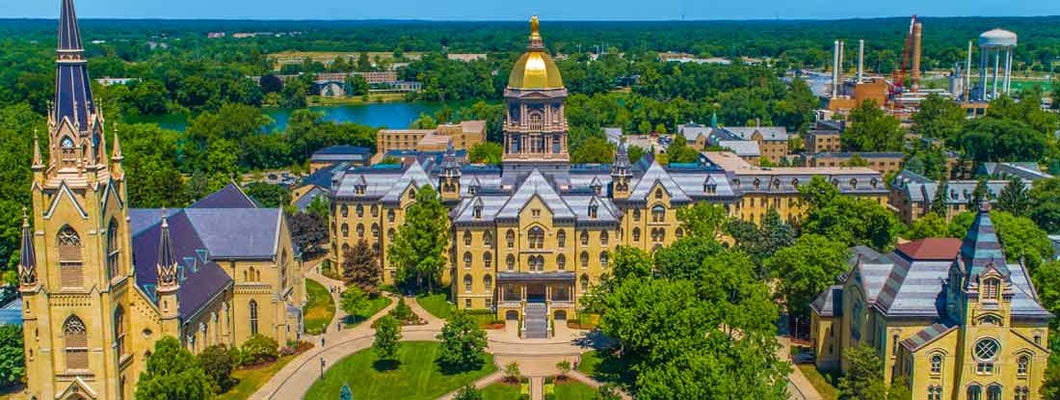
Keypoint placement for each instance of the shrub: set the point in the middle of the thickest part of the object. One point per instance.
(564, 368)
(259, 349)
(512, 373)
(217, 362)
(403, 313)
(12, 359)
(468, 392)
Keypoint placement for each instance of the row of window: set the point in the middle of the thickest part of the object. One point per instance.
(536, 262)
(535, 238)
(344, 210)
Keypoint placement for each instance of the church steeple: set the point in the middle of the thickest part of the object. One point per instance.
(450, 179)
(27, 264)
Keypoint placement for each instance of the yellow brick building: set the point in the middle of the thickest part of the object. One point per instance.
(950, 318)
(532, 235)
(101, 282)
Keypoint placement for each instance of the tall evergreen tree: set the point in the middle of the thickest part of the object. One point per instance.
(1015, 198)
(938, 203)
(979, 195)
(418, 251)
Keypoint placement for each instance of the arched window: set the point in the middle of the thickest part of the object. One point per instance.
(561, 262)
(991, 287)
(467, 283)
(487, 282)
(584, 258)
(360, 231)
(487, 260)
(345, 211)
(70, 273)
(375, 210)
(658, 193)
(487, 239)
(975, 392)
(604, 238)
(113, 240)
(636, 234)
(390, 215)
(510, 262)
(934, 392)
(253, 317)
(603, 259)
(360, 211)
(680, 233)
(510, 238)
(1023, 365)
(561, 238)
(636, 214)
(584, 281)
(537, 238)
(390, 235)
(467, 260)
(375, 231)
(585, 238)
(993, 392)
(658, 214)
(345, 230)
(467, 238)
(985, 352)
(936, 363)
(75, 338)
(536, 123)
(119, 331)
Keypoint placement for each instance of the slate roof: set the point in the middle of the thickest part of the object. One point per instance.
(742, 148)
(928, 335)
(769, 133)
(535, 184)
(1028, 171)
(342, 153)
(381, 182)
(981, 247)
(231, 196)
(73, 94)
(322, 177)
(303, 202)
(830, 302)
(918, 188)
(656, 174)
(243, 233)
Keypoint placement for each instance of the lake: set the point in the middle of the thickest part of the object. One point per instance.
(389, 115)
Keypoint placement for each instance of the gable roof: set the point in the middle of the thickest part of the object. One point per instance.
(243, 233)
(231, 196)
(927, 335)
(657, 174)
(981, 247)
(943, 249)
(535, 184)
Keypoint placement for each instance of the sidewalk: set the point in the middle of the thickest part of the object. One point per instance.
(799, 388)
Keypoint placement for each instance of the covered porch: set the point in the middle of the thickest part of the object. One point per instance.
(535, 299)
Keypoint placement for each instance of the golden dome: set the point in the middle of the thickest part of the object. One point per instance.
(535, 69)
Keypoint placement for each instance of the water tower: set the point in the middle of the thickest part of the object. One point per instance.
(996, 44)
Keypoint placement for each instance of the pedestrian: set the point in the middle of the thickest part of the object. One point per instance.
(321, 341)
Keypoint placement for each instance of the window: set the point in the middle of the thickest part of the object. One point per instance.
(936, 364)
(360, 211)
(1022, 365)
(658, 193)
(636, 234)
(991, 287)
(390, 215)
(986, 349)
(375, 231)
(1022, 393)
(510, 262)
(467, 283)
(487, 282)
(467, 238)
(75, 338)
(680, 233)
(561, 238)
(536, 213)
(603, 238)
(467, 303)
(993, 392)
(537, 238)
(934, 392)
(584, 282)
(510, 238)
(345, 230)
(585, 238)
(894, 345)
(636, 215)
(585, 259)
(487, 260)
(113, 270)
(253, 317)
(345, 211)
(375, 210)
(390, 235)
(975, 392)
(658, 214)
(119, 331)
(467, 260)
(603, 259)
(487, 239)
(360, 231)
(561, 262)
(70, 274)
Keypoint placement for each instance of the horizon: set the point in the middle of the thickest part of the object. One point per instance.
(548, 10)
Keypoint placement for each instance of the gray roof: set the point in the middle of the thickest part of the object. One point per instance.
(245, 233)
(1028, 171)
(231, 196)
(535, 185)
(769, 133)
(382, 182)
(918, 188)
(742, 148)
(693, 131)
(830, 302)
(656, 174)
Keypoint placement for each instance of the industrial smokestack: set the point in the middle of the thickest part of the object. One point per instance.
(861, 60)
(968, 74)
(842, 58)
(835, 70)
(917, 35)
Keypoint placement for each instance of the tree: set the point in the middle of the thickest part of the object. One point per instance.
(358, 85)
(511, 372)
(418, 251)
(218, 363)
(387, 338)
(594, 150)
(1022, 240)
(1045, 204)
(684, 258)
(703, 219)
(871, 129)
(259, 349)
(268, 195)
(931, 225)
(939, 117)
(486, 153)
(806, 269)
(424, 122)
(308, 231)
(980, 194)
(354, 300)
(468, 392)
(991, 139)
(172, 373)
(564, 368)
(360, 267)
(680, 152)
(12, 357)
(939, 205)
(271, 84)
(851, 220)
(864, 377)
(345, 393)
(463, 343)
(1014, 198)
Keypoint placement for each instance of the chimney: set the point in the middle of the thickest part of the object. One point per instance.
(861, 60)
(968, 73)
(917, 34)
(842, 57)
(835, 69)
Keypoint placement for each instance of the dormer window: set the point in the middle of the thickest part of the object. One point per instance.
(991, 289)
(874, 183)
(471, 189)
(757, 183)
(593, 210)
(853, 183)
(658, 193)
(795, 183)
(710, 188)
(478, 211)
(359, 189)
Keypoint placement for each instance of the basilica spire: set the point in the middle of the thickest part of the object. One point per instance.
(167, 259)
(73, 92)
(27, 264)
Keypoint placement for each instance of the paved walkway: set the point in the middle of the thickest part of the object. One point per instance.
(799, 388)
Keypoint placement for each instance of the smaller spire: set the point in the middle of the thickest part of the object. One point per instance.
(621, 165)
(28, 259)
(117, 146)
(38, 161)
(167, 259)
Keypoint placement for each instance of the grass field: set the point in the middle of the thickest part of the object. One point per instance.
(436, 304)
(375, 305)
(502, 391)
(827, 391)
(320, 308)
(572, 390)
(250, 380)
(416, 375)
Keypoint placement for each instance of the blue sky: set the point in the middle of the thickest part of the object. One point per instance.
(520, 9)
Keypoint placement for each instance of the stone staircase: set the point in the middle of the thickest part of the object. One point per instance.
(535, 320)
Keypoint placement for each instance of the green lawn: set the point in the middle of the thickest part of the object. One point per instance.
(416, 375)
(436, 304)
(590, 360)
(319, 309)
(572, 390)
(374, 305)
(501, 391)
(827, 391)
(250, 380)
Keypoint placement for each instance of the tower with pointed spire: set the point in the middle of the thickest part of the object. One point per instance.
(450, 178)
(621, 173)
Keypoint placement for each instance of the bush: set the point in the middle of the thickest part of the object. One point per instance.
(259, 349)
(12, 359)
(218, 363)
(564, 368)
(512, 373)
(468, 392)
(403, 313)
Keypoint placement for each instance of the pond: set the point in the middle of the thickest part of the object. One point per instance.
(389, 115)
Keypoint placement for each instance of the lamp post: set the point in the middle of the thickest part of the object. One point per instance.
(321, 367)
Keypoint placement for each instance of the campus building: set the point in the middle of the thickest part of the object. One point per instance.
(912, 194)
(464, 136)
(950, 318)
(532, 235)
(101, 282)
